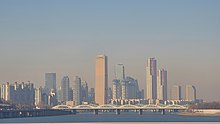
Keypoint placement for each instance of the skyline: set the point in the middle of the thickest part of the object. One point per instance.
(64, 37)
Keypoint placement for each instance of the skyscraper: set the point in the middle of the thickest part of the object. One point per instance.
(85, 91)
(50, 81)
(65, 89)
(190, 93)
(116, 89)
(101, 80)
(176, 92)
(119, 72)
(77, 90)
(162, 85)
(38, 97)
(151, 79)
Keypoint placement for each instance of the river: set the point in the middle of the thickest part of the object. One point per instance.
(112, 117)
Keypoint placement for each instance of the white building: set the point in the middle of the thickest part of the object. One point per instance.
(190, 93)
(162, 85)
(151, 79)
(119, 72)
(176, 92)
(38, 97)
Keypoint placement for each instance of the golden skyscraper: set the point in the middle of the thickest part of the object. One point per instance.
(101, 80)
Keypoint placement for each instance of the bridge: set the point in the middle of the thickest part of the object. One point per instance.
(117, 109)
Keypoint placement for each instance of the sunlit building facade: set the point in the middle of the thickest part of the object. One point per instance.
(151, 79)
(101, 80)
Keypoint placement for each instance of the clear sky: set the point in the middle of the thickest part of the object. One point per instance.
(38, 36)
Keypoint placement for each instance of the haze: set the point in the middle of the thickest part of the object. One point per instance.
(65, 36)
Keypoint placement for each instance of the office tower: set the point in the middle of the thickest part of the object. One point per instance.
(91, 95)
(176, 92)
(50, 81)
(38, 97)
(65, 89)
(77, 91)
(190, 93)
(132, 88)
(162, 84)
(85, 91)
(151, 79)
(119, 72)
(70, 94)
(116, 89)
(101, 80)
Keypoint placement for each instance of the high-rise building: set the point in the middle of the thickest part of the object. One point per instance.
(119, 72)
(132, 88)
(65, 89)
(3, 91)
(101, 80)
(190, 93)
(162, 85)
(124, 89)
(151, 79)
(91, 95)
(38, 97)
(176, 92)
(18, 93)
(52, 98)
(50, 81)
(85, 91)
(116, 89)
(109, 94)
(77, 90)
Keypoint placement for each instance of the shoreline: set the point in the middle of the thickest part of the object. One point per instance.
(201, 112)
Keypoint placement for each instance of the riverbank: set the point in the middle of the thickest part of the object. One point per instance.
(201, 112)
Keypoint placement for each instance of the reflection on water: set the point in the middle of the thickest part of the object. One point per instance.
(112, 117)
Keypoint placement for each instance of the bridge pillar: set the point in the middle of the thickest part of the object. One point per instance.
(73, 111)
(117, 111)
(163, 111)
(95, 111)
(140, 111)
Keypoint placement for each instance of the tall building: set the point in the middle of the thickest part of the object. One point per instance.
(101, 80)
(176, 92)
(125, 89)
(65, 89)
(119, 72)
(91, 95)
(18, 93)
(116, 89)
(132, 88)
(162, 85)
(52, 98)
(77, 91)
(85, 91)
(38, 97)
(151, 79)
(3, 91)
(50, 81)
(190, 93)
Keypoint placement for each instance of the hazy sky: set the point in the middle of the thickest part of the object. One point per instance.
(38, 36)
